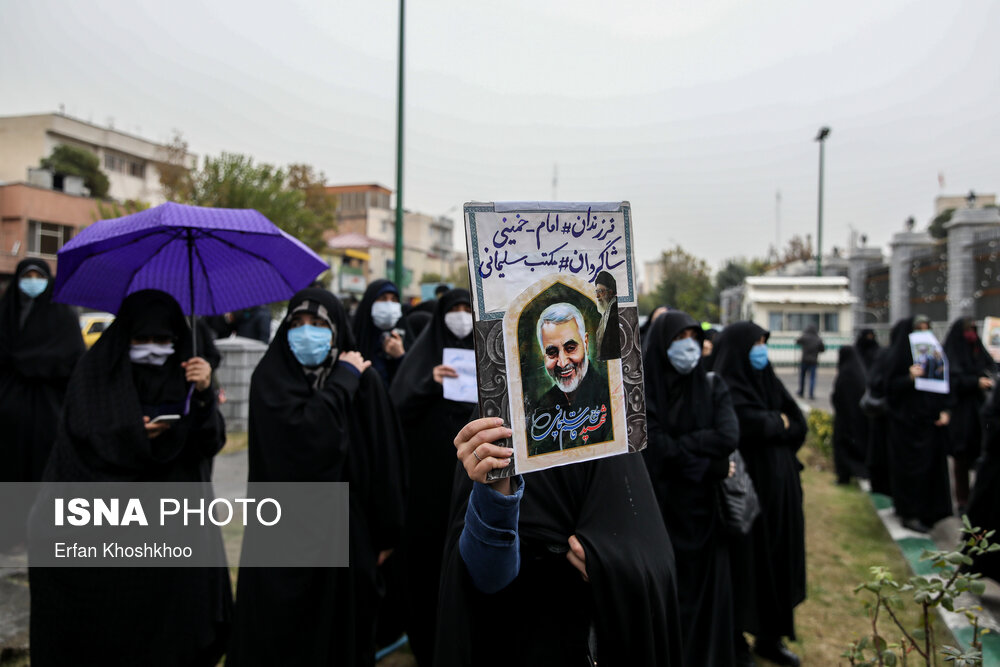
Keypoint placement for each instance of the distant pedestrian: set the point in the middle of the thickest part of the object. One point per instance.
(812, 345)
(971, 371)
(917, 438)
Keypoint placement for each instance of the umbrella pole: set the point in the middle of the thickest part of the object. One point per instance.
(190, 247)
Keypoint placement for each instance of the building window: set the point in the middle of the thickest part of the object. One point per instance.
(831, 322)
(123, 165)
(799, 321)
(46, 238)
(775, 321)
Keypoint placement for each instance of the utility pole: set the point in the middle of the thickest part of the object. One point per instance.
(824, 132)
(398, 262)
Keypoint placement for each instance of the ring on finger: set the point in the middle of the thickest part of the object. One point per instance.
(477, 456)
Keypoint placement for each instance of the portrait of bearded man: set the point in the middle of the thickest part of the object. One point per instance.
(576, 409)
(608, 336)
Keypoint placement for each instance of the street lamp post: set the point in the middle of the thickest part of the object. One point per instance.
(398, 263)
(824, 132)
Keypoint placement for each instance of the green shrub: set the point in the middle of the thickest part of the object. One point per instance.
(820, 436)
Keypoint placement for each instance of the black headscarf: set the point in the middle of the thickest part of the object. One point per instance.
(414, 385)
(666, 389)
(367, 335)
(610, 506)
(344, 430)
(965, 357)
(747, 385)
(156, 615)
(867, 347)
(850, 426)
(43, 343)
(430, 423)
(108, 396)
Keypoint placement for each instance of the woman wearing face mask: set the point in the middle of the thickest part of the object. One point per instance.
(971, 370)
(375, 329)
(772, 429)
(692, 431)
(430, 422)
(318, 413)
(40, 343)
(141, 367)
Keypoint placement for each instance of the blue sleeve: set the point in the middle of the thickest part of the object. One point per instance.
(489, 543)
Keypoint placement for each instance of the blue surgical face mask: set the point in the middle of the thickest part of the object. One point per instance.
(385, 314)
(758, 356)
(33, 286)
(684, 354)
(310, 344)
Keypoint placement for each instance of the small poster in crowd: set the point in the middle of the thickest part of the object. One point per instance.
(464, 387)
(991, 336)
(556, 331)
(929, 355)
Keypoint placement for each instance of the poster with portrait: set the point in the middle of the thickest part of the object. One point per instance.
(558, 355)
(929, 355)
(991, 336)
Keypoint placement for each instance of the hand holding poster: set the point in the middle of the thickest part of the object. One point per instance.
(556, 328)
(929, 355)
(991, 336)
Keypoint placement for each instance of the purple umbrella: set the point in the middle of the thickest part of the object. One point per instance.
(212, 260)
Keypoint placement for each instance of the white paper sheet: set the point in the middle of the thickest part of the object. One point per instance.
(465, 387)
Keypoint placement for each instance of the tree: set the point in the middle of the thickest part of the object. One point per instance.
(76, 161)
(798, 249)
(936, 228)
(736, 270)
(687, 285)
(175, 176)
(290, 199)
(112, 209)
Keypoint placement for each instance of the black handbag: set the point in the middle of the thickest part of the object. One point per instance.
(738, 500)
(871, 405)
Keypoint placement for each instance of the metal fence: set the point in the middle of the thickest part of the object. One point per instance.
(928, 283)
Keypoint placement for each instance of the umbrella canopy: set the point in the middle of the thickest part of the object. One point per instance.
(212, 260)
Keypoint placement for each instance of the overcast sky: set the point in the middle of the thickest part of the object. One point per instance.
(697, 113)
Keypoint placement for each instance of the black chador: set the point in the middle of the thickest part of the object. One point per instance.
(769, 447)
(917, 447)
(127, 616)
(692, 431)
(630, 600)
(320, 424)
(430, 422)
(850, 424)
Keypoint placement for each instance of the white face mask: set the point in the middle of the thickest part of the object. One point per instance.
(150, 354)
(385, 314)
(459, 323)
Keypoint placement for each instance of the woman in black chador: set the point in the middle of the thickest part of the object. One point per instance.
(555, 567)
(971, 370)
(850, 424)
(917, 438)
(692, 431)
(140, 368)
(40, 343)
(772, 429)
(984, 505)
(430, 422)
(319, 413)
(867, 347)
(377, 331)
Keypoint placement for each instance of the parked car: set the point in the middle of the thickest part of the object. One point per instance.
(92, 325)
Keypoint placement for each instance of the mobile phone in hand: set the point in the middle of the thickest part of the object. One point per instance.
(165, 419)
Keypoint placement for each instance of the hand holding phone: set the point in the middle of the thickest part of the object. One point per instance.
(165, 419)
